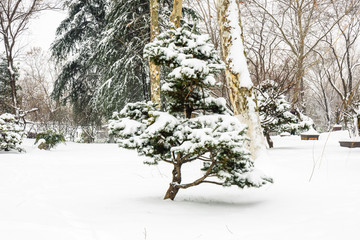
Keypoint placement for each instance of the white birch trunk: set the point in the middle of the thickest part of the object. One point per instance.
(242, 94)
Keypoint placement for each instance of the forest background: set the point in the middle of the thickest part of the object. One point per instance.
(96, 65)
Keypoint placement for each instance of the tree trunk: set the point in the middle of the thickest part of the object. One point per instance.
(298, 95)
(171, 192)
(269, 140)
(176, 179)
(241, 91)
(176, 13)
(12, 78)
(154, 69)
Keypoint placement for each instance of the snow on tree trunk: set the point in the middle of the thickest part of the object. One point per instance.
(176, 13)
(154, 69)
(242, 94)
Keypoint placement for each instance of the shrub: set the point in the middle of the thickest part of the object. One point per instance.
(11, 133)
(49, 139)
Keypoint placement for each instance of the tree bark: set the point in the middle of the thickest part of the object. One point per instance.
(269, 140)
(241, 91)
(176, 179)
(176, 13)
(154, 69)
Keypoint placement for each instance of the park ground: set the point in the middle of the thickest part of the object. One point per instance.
(102, 192)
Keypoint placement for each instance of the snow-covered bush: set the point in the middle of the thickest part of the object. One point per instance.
(49, 139)
(275, 112)
(176, 136)
(11, 133)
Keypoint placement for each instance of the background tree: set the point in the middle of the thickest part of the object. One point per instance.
(5, 89)
(342, 70)
(36, 82)
(175, 16)
(242, 94)
(300, 24)
(124, 74)
(154, 69)
(275, 112)
(74, 49)
(14, 18)
(101, 44)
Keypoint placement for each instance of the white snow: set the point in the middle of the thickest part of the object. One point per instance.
(236, 58)
(311, 131)
(102, 192)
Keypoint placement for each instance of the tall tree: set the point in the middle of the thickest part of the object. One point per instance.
(5, 89)
(154, 69)
(175, 16)
(242, 93)
(14, 18)
(77, 38)
(101, 43)
(300, 24)
(123, 70)
(342, 68)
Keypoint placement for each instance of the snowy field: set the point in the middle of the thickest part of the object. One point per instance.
(102, 192)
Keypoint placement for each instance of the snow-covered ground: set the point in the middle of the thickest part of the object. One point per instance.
(102, 192)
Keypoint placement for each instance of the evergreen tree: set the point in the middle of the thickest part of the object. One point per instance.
(275, 112)
(11, 133)
(176, 136)
(100, 46)
(125, 77)
(74, 48)
(5, 89)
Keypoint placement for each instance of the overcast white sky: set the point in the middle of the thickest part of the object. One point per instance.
(41, 31)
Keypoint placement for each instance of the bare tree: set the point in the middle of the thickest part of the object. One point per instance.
(323, 101)
(342, 71)
(207, 11)
(14, 18)
(36, 84)
(265, 51)
(299, 23)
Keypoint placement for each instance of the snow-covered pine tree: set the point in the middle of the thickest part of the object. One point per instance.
(196, 126)
(99, 46)
(275, 112)
(11, 133)
(5, 89)
(77, 38)
(126, 75)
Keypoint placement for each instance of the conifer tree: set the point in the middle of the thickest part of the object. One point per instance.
(196, 126)
(77, 38)
(99, 48)
(125, 74)
(11, 133)
(5, 89)
(274, 110)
